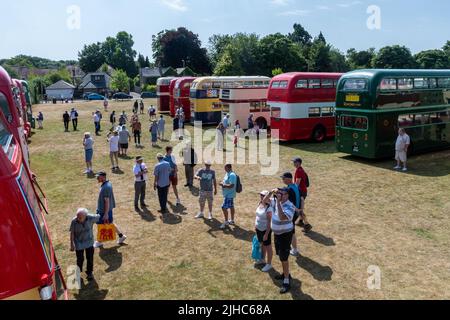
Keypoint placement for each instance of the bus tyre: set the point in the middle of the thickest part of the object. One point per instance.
(319, 134)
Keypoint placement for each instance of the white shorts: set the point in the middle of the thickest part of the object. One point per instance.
(401, 156)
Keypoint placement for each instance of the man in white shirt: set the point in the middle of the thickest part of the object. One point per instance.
(96, 119)
(114, 150)
(140, 171)
(401, 149)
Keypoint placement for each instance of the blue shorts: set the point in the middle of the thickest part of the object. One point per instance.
(228, 203)
(89, 154)
(110, 217)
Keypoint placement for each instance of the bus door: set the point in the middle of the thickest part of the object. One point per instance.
(353, 134)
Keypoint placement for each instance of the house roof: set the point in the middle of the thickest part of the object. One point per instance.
(60, 85)
(88, 80)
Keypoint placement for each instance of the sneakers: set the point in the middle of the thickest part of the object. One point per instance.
(122, 239)
(285, 288)
(267, 268)
(98, 244)
(224, 225)
(295, 253)
(405, 169)
(260, 262)
(231, 223)
(308, 228)
(199, 216)
(210, 217)
(397, 168)
(178, 202)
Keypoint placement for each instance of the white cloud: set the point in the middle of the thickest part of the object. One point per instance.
(349, 4)
(177, 5)
(280, 2)
(301, 13)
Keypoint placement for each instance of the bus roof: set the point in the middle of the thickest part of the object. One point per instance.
(307, 75)
(383, 73)
(231, 78)
(5, 79)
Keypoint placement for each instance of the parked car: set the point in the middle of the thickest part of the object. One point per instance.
(86, 95)
(148, 95)
(122, 96)
(95, 97)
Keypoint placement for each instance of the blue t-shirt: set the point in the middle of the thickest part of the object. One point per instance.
(169, 160)
(230, 178)
(162, 172)
(106, 191)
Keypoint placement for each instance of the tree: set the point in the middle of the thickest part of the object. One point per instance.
(12, 73)
(240, 57)
(360, 59)
(178, 48)
(91, 57)
(446, 48)
(300, 35)
(216, 47)
(120, 81)
(277, 72)
(394, 57)
(278, 51)
(55, 76)
(319, 59)
(119, 54)
(432, 59)
(143, 62)
(338, 61)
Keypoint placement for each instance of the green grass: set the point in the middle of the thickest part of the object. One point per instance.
(363, 214)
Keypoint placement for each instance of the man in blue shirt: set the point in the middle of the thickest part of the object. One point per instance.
(170, 158)
(105, 205)
(229, 194)
(162, 181)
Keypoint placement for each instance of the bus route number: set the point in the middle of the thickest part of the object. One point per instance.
(352, 98)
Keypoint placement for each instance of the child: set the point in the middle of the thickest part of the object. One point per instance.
(237, 132)
(154, 133)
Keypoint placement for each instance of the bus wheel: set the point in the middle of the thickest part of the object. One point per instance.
(319, 134)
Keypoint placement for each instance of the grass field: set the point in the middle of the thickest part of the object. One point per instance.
(363, 214)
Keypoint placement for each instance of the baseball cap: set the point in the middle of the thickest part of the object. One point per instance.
(264, 193)
(100, 174)
(287, 175)
(208, 163)
(159, 156)
(139, 158)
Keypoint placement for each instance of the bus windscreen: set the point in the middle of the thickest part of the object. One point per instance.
(355, 84)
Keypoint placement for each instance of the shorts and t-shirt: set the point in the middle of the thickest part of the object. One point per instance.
(400, 148)
(114, 144)
(172, 161)
(262, 223)
(89, 149)
(124, 138)
(283, 230)
(301, 174)
(229, 194)
(206, 185)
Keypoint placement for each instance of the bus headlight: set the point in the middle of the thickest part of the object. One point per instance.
(46, 293)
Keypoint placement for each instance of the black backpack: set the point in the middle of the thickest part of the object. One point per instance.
(238, 184)
(307, 180)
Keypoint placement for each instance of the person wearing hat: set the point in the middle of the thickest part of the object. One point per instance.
(114, 150)
(162, 173)
(140, 171)
(208, 189)
(263, 230)
(296, 199)
(301, 179)
(105, 205)
(282, 226)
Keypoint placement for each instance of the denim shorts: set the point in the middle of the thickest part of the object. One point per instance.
(89, 155)
(228, 203)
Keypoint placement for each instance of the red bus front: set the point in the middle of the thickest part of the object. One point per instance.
(163, 94)
(28, 266)
(172, 97)
(303, 106)
(182, 96)
(23, 101)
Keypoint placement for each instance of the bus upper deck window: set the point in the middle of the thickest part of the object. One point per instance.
(444, 83)
(4, 107)
(302, 84)
(248, 84)
(405, 84)
(388, 84)
(355, 84)
(314, 83)
(276, 84)
(327, 83)
(432, 83)
(421, 83)
(283, 84)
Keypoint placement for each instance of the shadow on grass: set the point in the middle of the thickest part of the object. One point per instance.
(171, 219)
(327, 147)
(146, 215)
(91, 291)
(296, 287)
(435, 164)
(319, 272)
(320, 238)
(112, 257)
(178, 209)
(235, 231)
(194, 191)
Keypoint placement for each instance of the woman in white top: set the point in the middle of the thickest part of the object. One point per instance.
(264, 231)
(114, 150)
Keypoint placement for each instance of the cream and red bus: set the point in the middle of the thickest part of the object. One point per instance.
(303, 106)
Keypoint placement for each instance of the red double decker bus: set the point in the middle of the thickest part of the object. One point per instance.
(163, 94)
(303, 106)
(23, 102)
(172, 96)
(182, 96)
(28, 265)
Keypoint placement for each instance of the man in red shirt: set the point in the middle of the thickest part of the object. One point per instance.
(301, 179)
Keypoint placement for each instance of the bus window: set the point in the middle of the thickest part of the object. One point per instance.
(6, 140)
(405, 84)
(259, 84)
(276, 113)
(314, 112)
(216, 85)
(4, 108)
(302, 84)
(432, 83)
(421, 83)
(283, 84)
(206, 85)
(353, 122)
(255, 107)
(388, 84)
(328, 112)
(266, 83)
(314, 84)
(276, 84)
(327, 83)
(444, 83)
(355, 84)
(248, 84)
(225, 108)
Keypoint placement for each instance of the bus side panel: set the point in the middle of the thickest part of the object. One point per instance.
(164, 104)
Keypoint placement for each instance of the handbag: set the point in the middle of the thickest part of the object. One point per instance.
(256, 249)
(106, 232)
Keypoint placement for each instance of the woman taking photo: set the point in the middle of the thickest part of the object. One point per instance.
(264, 231)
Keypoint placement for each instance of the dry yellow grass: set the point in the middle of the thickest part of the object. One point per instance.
(363, 214)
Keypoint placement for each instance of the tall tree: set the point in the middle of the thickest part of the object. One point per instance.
(433, 59)
(181, 47)
(300, 35)
(120, 81)
(394, 57)
(338, 61)
(319, 59)
(278, 51)
(119, 53)
(321, 38)
(446, 48)
(91, 57)
(360, 59)
(216, 46)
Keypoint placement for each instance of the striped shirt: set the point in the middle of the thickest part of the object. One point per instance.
(279, 226)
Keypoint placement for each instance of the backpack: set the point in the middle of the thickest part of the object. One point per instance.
(307, 180)
(238, 184)
(76, 114)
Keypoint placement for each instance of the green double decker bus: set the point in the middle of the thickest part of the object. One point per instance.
(371, 105)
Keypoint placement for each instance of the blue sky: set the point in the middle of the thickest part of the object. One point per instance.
(40, 27)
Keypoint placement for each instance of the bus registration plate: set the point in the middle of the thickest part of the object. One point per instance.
(352, 98)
